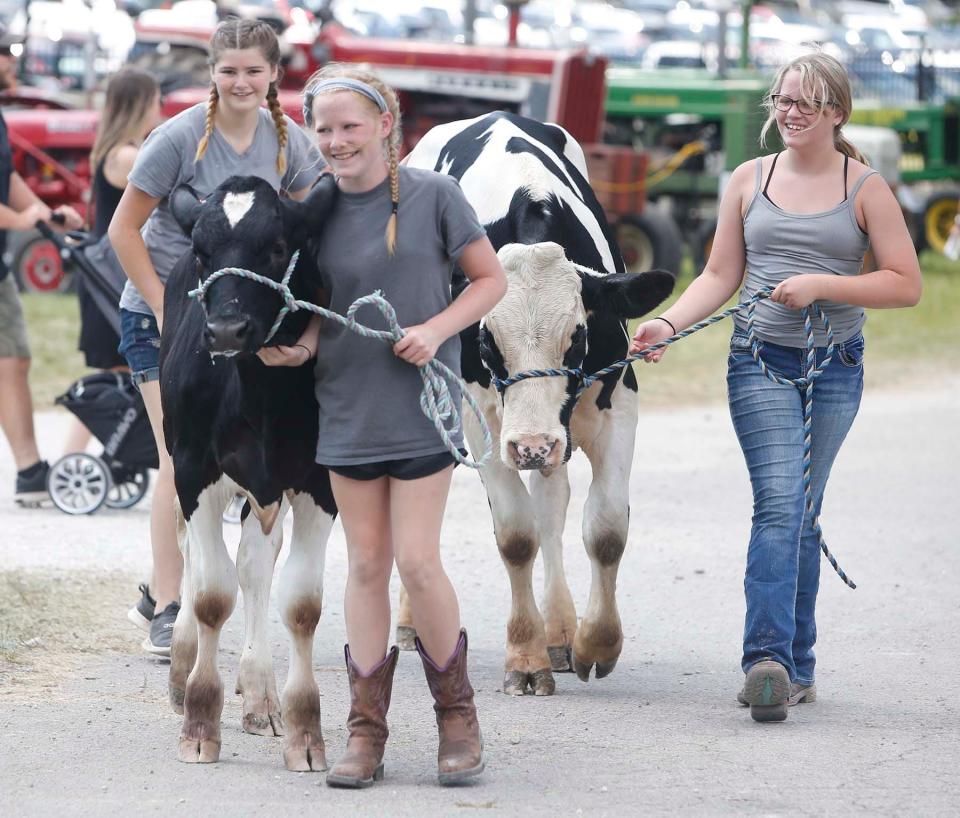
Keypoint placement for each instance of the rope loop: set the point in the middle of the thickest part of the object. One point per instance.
(436, 400)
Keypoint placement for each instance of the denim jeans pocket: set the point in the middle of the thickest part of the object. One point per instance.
(850, 352)
(740, 345)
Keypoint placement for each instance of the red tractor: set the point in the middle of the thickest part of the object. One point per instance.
(437, 83)
(51, 150)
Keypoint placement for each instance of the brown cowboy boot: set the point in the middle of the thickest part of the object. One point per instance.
(362, 762)
(460, 756)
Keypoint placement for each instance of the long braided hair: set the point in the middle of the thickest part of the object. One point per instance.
(234, 33)
(394, 138)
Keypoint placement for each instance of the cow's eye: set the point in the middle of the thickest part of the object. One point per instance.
(490, 354)
(279, 250)
(577, 350)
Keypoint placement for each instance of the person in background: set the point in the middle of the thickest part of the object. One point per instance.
(799, 221)
(131, 110)
(20, 209)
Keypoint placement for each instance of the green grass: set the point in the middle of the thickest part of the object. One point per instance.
(903, 346)
(53, 324)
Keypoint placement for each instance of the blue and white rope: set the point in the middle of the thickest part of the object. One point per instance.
(804, 384)
(435, 399)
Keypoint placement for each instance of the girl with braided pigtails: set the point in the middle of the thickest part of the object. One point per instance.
(229, 134)
(400, 231)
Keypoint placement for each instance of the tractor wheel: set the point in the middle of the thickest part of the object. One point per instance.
(650, 240)
(38, 267)
(938, 218)
(703, 244)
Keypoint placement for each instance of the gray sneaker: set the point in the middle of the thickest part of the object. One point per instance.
(142, 613)
(160, 638)
(767, 691)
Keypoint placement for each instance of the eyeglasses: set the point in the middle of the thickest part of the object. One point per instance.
(806, 107)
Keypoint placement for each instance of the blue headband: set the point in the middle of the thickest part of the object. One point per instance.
(340, 84)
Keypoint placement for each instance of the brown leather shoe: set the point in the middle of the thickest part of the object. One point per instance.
(362, 761)
(460, 756)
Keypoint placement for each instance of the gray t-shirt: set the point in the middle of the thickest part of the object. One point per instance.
(167, 160)
(369, 398)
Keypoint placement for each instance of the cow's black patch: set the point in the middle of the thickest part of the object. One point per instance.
(575, 353)
(490, 353)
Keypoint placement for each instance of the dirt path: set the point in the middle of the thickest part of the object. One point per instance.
(85, 729)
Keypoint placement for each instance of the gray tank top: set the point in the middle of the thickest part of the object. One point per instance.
(780, 244)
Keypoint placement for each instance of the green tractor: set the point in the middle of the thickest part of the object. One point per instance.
(695, 129)
(929, 163)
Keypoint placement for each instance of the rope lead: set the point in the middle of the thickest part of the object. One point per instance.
(437, 404)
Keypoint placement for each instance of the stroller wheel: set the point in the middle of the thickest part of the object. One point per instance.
(128, 491)
(78, 483)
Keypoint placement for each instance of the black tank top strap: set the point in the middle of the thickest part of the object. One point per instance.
(846, 163)
(773, 164)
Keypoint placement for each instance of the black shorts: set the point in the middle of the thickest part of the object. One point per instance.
(406, 468)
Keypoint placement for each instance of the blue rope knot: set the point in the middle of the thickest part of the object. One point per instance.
(436, 399)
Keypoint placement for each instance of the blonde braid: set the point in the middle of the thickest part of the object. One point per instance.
(394, 197)
(280, 123)
(211, 116)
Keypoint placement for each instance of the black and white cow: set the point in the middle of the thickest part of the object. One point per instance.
(528, 183)
(233, 424)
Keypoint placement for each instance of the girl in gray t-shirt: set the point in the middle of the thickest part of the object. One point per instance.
(398, 230)
(230, 134)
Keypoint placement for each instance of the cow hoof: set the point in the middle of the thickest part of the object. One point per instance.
(582, 669)
(606, 668)
(560, 659)
(305, 758)
(202, 751)
(515, 683)
(176, 699)
(263, 724)
(405, 637)
(542, 682)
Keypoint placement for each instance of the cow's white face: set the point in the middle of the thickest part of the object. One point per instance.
(539, 324)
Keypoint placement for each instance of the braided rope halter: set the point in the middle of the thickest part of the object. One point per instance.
(804, 384)
(436, 401)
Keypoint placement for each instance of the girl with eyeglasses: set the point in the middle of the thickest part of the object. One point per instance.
(799, 221)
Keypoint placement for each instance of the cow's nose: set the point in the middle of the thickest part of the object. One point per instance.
(227, 335)
(533, 451)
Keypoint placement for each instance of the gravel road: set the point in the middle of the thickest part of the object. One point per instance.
(90, 733)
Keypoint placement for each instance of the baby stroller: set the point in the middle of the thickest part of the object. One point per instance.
(107, 403)
(110, 406)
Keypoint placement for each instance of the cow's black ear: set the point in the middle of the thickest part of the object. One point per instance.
(185, 204)
(304, 219)
(626, 295)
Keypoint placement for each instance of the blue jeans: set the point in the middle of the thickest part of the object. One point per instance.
(140, 345)
(783, 558)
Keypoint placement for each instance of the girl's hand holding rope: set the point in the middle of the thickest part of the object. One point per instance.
(418, 345)
(798, 291)
(648, 334)
(295, 355)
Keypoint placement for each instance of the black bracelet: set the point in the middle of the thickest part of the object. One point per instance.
(304, 346)
(667, 322)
